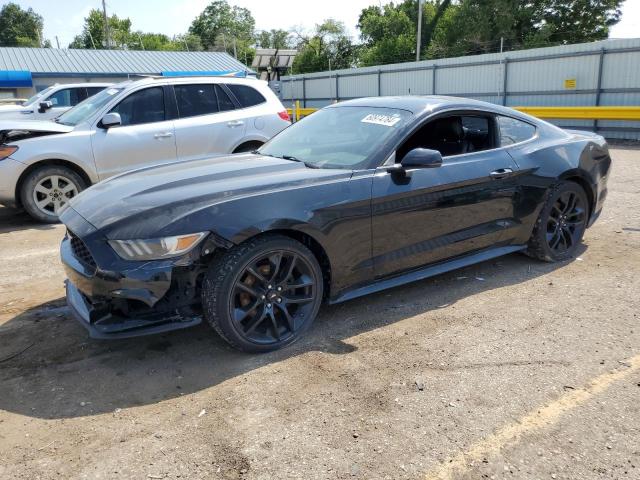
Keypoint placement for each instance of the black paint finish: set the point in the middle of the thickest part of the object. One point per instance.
(373, 228)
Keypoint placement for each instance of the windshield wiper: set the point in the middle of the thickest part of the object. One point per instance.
(292, 158)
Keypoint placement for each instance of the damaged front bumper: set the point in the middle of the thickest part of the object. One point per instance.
(125, 299)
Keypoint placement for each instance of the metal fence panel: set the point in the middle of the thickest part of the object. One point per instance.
(417, 82)
(358, 86)
(588, 74)
(468, 80)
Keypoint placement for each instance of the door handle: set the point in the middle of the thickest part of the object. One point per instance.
(163, 135)
(501, 173)
(235, 123)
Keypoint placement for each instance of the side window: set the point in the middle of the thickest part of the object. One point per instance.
(67, 97)
(224, 102)
(143, 106)
(246, 96)
(195, 100)
(91, 91)
(514, 131)
(452, 135)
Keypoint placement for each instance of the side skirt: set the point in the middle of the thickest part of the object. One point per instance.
(426, 272)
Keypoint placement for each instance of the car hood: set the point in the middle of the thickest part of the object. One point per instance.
(11, 108)
(15, 130)
(156, 201)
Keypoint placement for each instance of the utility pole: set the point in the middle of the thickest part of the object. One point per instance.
(91, 38)
(501, 43)
(235, 51)
(106, 24)
(57, 42)
(419, 36)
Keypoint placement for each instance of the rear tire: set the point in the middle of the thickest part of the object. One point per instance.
(561, 224)
(263, 294)
(47, 189)
(248, 147)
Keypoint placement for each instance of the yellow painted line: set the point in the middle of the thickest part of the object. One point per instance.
(536, 420)
(584, 113)
(567, 113)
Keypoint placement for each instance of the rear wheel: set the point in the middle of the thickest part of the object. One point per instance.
(47, 189)
(248, 147)
(561, 224)
(264, 294)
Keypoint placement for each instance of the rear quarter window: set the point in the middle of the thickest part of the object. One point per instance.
(514, 131)
(246, 96)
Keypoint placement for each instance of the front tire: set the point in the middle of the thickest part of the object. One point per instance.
(561, 223)
(263, 294)
(47, 189)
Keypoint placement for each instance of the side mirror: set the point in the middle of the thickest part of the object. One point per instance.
(422, 158)
(111, 120)
(44, 106)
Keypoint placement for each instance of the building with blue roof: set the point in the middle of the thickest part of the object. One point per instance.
(24, 71)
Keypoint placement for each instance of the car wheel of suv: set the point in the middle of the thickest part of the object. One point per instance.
(248, 147)
(47, 189)
(561, 224)
(263, 294)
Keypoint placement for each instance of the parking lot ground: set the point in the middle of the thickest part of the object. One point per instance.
(509, 369)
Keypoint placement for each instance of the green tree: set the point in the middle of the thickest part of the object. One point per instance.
(273, 39)
(464, 27)
(479, 25)
(93, 34)
(227, 28)
(328, 47)
(575, 21)
(388, 35)
(389, 32)
(20, 28)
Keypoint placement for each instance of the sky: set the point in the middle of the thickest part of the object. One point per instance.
(65, 18)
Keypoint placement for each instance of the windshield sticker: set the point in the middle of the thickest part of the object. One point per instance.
(379, 119)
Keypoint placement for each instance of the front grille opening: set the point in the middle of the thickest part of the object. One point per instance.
(80, 250)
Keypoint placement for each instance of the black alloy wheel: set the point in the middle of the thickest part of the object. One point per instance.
(273, 297)
(561, 224)
(264, 294)
(566, 221)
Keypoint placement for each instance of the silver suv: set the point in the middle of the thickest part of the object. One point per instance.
(52, 101)
(131, 125)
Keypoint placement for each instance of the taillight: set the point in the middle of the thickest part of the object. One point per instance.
(284, 115)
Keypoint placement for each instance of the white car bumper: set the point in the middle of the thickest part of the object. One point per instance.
(10, 171)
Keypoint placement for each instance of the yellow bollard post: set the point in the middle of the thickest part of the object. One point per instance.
(297, 110)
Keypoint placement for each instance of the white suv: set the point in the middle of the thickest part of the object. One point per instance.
(130, 125)
(51, 102)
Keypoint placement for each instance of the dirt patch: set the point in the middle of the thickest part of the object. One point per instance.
(388, 386)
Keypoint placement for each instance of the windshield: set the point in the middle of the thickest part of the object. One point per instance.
(87, 108)
(37, 97)
(338, 137)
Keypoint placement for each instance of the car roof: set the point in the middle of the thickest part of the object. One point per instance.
(428, 104)
(198, 79)
(83, 84)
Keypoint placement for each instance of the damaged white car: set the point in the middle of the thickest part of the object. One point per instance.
(133, 124)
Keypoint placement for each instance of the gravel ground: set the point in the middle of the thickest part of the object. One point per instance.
(509, 369)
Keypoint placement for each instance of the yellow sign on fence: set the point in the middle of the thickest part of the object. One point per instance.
(570, 83)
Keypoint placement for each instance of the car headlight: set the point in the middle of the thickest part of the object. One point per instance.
(157, 248)
(6, 150)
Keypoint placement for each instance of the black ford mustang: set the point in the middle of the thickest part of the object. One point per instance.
(358, 197)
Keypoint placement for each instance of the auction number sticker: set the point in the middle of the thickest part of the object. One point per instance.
(380, 119)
